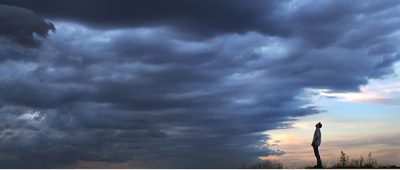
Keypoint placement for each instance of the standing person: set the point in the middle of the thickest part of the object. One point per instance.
(315, 144)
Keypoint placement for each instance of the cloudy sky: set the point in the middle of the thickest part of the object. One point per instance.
(196, 84)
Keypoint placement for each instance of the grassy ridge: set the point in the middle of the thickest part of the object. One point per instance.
(344, 162)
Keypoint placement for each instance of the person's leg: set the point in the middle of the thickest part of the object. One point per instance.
(316, 152)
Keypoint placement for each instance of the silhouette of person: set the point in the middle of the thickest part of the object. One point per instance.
(315, 144)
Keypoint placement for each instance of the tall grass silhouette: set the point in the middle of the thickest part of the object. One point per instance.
(346, 162)
(265, 164)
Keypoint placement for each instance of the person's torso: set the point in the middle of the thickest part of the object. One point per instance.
(317, 134)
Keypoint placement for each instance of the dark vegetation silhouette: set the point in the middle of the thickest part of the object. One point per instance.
(265, 164)
(343, 162)
(369, 162)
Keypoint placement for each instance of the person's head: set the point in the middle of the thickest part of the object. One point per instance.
(318, 125)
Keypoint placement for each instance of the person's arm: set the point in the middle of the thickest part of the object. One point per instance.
(314, 140)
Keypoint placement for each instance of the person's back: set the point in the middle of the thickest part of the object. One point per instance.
(316, 142)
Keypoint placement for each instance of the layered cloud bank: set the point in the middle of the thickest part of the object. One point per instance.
(176, 84)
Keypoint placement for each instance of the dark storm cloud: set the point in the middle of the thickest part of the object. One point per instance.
(205, 17)
(134, 89)
(22, 25)
(115, 105)
(321, 23)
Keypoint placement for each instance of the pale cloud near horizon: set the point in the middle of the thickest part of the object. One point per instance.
(385, 90)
